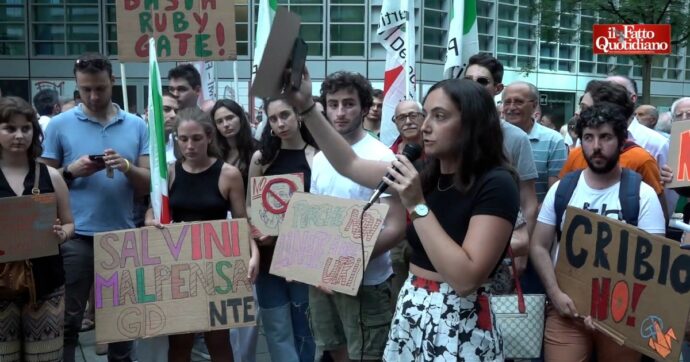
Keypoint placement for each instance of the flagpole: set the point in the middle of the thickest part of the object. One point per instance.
(235, 86)
(123, 80)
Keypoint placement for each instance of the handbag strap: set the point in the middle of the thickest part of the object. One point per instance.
(37, 174)
(518, 288)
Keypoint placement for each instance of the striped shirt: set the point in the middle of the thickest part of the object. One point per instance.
(549, 153)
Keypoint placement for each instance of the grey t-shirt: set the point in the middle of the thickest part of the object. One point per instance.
(519, 151)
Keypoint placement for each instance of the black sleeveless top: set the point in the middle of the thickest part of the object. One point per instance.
(196, 197)
(287, 161)
(48, 271)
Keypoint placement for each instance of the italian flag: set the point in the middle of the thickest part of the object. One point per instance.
(267, 11)
(463, 20)
(159, 168)
(396, 32)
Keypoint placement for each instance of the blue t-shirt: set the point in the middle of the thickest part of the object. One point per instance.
(98, 203)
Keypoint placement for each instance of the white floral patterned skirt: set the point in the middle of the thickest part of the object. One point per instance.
(433, 323)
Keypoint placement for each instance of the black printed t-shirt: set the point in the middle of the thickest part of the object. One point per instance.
(495, 193)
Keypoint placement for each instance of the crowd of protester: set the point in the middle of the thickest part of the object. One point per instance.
(487, 182)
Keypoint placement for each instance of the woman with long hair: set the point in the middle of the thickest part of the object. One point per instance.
(463, 206)
(32, 331)
(286, 147)
(202, 187)
(234, 135)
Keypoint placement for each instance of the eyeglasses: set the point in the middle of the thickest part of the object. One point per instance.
(516, 102)
(682, 115)
(484, 81)
(412, 116)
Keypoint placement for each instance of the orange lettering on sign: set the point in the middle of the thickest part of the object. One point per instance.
(683, 173)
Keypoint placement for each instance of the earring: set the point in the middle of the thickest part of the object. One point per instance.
(299, 124)
(271, 133)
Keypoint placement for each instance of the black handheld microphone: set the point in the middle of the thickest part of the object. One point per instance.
(412, 151)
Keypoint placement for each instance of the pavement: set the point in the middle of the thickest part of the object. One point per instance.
(87, 352)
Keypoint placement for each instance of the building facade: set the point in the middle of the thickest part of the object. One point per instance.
(40, 39)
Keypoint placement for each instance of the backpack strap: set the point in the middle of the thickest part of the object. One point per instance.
(564, 192)
(629, 195)
(628, 145)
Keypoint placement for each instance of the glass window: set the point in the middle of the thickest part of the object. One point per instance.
(525, 47)
(506, 28)
(484, 8)
(586, 67)
(347, 30)
(12, 28)
(66, 27)
(434, 36)
(566, 66)
(506, 60)
(526, 31)
(310, 14)
(342, 32)
(434, 53)
(547, 64)
(435, 18)
(435, 31)
(525, 62)
(506, 12)
(347, 49)
(484, 25)
(505, 45)
(486, 43)
(526, 15)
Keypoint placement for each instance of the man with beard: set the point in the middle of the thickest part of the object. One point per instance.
(603, 131)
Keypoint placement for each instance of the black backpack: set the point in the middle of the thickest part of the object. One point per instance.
(629, 196)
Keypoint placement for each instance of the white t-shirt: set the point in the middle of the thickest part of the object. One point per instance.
(325, 180)
(605, 202)
(650, 140)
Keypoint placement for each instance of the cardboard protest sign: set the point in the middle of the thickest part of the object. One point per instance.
(319, 241)
(633, 284)
(27, 227)
(679, 154)
(184, 30)
(270, 76)
(187, 277)
(270, 196)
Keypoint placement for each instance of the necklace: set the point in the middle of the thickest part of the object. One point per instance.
(438, 186)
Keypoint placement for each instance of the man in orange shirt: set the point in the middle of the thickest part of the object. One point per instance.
(632, 156)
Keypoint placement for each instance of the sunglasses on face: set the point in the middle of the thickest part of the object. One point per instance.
(484, 81)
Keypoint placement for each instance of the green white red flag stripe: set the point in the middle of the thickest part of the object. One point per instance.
(463, 37)
(159, 167)
(267, 11)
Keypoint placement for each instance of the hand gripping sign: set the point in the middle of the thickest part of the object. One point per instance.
(634, 285)
(270, 196)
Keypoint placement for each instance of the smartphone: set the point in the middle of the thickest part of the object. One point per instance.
(97, 158)
(297, 61)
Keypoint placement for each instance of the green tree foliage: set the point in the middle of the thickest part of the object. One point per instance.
(674, 12)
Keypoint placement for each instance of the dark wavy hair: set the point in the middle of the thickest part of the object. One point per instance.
(604, 113)
(197, 115)
(187, 72)
(12, 106)
(479, 144)
(487, 61)
(348, 80)
(245, 143)
(270, 144)
(604, 91)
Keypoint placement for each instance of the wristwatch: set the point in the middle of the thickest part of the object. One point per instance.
(68, 176)
(421, 210)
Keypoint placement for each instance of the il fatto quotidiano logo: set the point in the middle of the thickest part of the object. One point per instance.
(631, 39)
